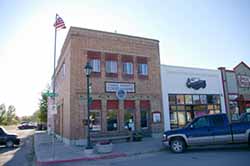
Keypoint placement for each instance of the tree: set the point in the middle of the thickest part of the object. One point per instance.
(43, 108)
(8, 117)
(2, 113)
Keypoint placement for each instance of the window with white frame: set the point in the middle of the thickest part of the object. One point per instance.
(95, 63)
(143, 69)
(128, 68)
(111, 66)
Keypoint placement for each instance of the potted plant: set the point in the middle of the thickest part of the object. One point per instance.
(137, 136)
(104, 147)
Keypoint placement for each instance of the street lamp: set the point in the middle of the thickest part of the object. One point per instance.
(88, 69)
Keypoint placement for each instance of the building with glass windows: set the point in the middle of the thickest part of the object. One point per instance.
(236, 83)
(125, 86)
(188, 93)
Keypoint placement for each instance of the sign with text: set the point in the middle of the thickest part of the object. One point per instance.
(115, 86)
(244, 81)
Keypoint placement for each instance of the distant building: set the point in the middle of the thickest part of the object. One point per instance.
(120, 62)
(236, 85)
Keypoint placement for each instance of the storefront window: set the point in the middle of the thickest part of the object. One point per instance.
(188, 99)
(144, 118)
(95, 120)
(144, 110)
(172, 99)
(128, 118)
(112, 120)
(173, 119)
(173, 108)
(182, 119)
(217, 99)
(180, 108)
(210, 99)
(190, 116)
(184, 108)
(196, 99)
(180, 99)
(203, 99)
(210, 107)
(234, 110)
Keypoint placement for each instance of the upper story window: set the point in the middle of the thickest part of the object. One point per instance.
(94, 58)
(143, 69)
(96, 64)
(128, 68)
(111, 66)
(142, 63)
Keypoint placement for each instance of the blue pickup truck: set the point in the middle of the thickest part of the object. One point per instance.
(208, 130)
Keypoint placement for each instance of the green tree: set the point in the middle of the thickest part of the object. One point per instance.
(2, 113)
(43, 108)
(8, 117)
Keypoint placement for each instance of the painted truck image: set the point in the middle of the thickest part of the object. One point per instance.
(196, 83)
(208, 130)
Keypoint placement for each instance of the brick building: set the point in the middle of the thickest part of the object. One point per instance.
(120, 62)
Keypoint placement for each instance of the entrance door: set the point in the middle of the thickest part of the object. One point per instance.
(145, 117)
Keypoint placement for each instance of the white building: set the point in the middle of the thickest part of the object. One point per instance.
(188, 93)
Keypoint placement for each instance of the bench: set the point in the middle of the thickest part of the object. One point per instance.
(110, 137)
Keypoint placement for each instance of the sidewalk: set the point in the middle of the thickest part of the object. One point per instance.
(67, 153)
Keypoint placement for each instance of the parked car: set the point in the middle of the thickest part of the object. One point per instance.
(8, 139)
(208, 130)
(26, 126)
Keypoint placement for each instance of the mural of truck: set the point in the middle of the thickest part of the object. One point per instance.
(196, 83)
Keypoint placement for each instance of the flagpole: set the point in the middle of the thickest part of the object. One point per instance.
(54, 96)
(54, 73)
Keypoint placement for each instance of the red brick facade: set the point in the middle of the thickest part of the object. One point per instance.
(82, 45)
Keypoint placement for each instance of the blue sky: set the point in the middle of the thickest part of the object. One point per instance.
(195, 33)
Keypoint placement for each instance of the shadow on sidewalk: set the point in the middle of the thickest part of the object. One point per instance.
(22, 155)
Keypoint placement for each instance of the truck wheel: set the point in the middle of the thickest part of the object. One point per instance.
(9, 144)
(177, 145)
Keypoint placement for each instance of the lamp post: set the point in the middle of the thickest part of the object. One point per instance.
(88, 69)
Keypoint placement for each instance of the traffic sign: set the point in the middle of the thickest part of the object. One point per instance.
(50, 94)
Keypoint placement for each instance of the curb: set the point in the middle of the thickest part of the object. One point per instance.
(109, 156)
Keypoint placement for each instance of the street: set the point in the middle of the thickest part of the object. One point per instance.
(229, 156)
(19, 155)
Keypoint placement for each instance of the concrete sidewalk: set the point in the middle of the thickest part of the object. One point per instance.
(66, 153)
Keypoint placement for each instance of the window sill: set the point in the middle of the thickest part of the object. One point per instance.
(111, 74)
(96, 74)
(143, 77)
(128, 76)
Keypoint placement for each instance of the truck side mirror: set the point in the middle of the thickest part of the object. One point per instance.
(191, 126)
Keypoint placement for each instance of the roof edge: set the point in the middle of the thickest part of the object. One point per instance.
(72, 28)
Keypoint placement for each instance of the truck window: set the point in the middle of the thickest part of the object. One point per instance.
(245, 117)
(201, 122)
(1, 131)
(217, 121)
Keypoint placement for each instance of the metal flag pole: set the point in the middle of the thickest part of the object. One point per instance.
(54, 96)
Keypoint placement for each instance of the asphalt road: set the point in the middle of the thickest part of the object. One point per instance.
(229, 156)
(21, 155)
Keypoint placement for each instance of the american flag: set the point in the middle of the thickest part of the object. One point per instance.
(59, 24)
